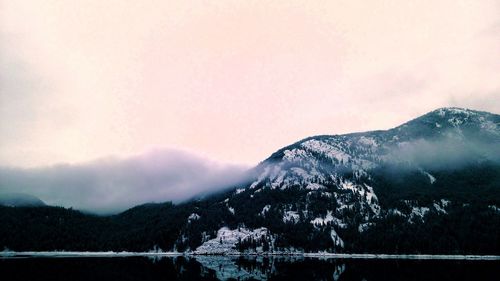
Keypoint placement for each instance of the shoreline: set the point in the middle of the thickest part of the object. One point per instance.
(72, 254)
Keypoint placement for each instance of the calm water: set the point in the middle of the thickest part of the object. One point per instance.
(247, 268)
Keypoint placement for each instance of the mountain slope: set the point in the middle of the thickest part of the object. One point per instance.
(324, 186)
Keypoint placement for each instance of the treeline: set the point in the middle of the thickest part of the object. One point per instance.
(472, 183)
(473, 229)
(54, 228)
(142, 228)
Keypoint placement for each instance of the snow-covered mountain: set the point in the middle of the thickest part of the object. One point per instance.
(326, 185)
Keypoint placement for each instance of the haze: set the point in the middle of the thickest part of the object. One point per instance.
(110, 185)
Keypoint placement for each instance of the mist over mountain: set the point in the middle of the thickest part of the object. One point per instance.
(431, 185)
(112, 185)
(20, 200)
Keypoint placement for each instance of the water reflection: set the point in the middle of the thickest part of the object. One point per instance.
(243, 268)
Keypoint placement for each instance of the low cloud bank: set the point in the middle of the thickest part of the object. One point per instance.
(111, 185)
(447, 153)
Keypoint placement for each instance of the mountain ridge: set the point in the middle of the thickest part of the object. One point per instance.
(439, 112)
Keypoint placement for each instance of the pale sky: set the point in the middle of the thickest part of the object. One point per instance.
(231, 80)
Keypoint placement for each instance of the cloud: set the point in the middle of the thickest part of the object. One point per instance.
(445, 153)
(111, 185)
(20, 91)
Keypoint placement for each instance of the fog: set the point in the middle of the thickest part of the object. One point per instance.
(445, 153)
(111, 185)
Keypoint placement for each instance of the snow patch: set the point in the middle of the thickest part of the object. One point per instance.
(432, 179)
(349, 186)
(337, 241)
(367, 141)
(494, 208)
(291, 216)
(419, 212)
(372, 200)
(323, 221)
(328, 150)
(314, 186)
(395, 212)
(439, 208)
(277, 180)
(193, 217)
(226, 241)
(489, 126)
(364, 226)
(265, 210)
(294, 155)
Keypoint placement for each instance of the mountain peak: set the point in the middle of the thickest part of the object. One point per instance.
(459, 112)
(462, 120)
(456, 112)
(453, 109)
(445, 122)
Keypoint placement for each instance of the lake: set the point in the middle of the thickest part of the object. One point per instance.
(242, 268)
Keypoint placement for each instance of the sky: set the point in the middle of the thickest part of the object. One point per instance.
(230, 81)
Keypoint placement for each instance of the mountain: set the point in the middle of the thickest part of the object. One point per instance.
(20, 200)
(431, 185)
(330, 192)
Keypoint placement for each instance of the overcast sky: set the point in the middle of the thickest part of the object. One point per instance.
(231, 80)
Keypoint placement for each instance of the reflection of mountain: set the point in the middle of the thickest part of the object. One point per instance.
(431, 185)
(211, 268)
(261, 268)
(226, 267)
